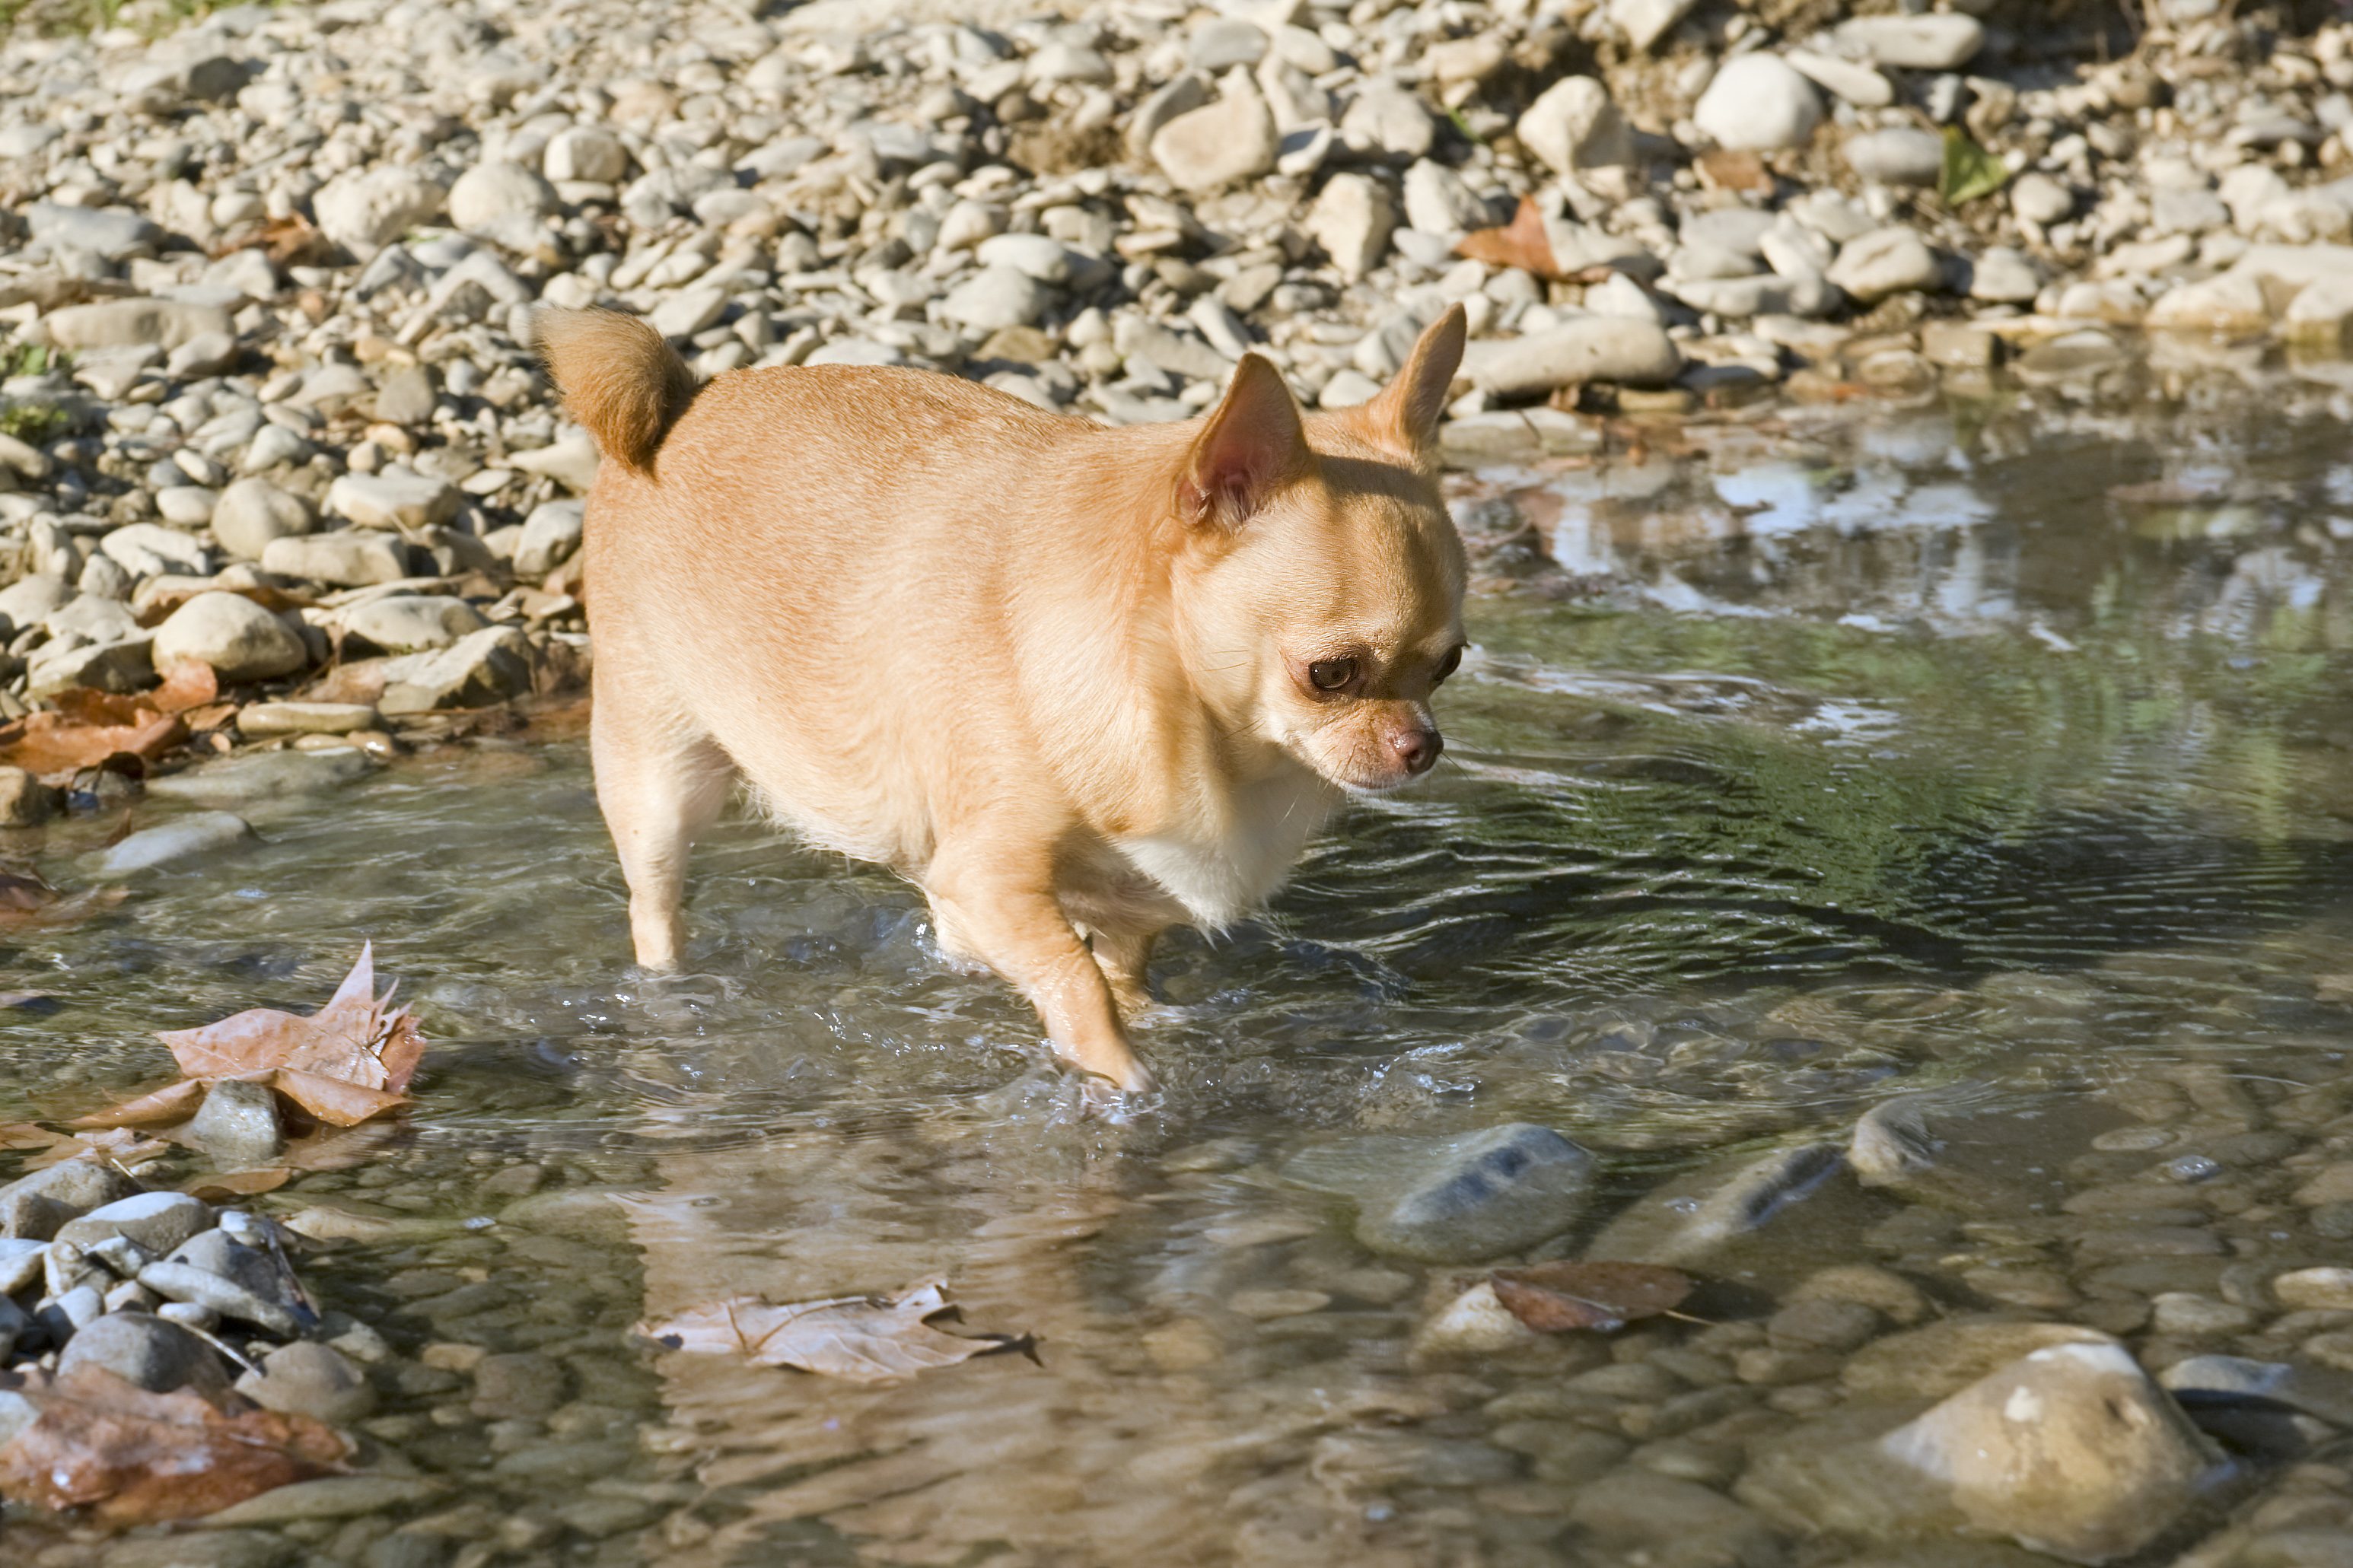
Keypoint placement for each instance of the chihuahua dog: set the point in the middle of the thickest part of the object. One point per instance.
(1079, 684)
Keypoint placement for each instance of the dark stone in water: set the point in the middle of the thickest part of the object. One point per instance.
(1690, 1218)
(1482, 1194)
(145, 1351)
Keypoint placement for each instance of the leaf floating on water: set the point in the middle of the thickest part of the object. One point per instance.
(867, 1339)
(1554, 1298)
(1969, 171)
(135, 1458)
(114, 1145)
(223, 1186)
(1521, 243)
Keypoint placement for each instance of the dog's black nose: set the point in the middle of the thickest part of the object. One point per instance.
(1418, 749)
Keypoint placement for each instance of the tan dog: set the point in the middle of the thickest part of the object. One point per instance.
(1079, 684)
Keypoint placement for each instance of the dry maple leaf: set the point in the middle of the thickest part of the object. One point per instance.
(349, 1060)
(1521, 243)
(86, 727)
(867, 1339)
(135, 1458)
(1552, 1297)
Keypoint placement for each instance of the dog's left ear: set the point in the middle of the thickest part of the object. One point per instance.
(1405, 416)
(1250, 446)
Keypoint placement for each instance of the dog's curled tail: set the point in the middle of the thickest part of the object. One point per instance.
(620, 380)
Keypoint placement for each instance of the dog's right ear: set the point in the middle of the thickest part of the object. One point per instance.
(1251, 446)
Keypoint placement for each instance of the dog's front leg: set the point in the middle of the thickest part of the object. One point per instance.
(1017, 928)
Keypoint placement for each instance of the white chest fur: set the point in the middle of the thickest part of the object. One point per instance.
(1220, 871)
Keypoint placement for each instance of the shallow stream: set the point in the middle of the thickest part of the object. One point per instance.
(2000, 748)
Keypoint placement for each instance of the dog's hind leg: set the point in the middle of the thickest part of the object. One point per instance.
(661, 782)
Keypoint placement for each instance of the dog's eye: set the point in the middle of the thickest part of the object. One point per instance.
(1331, 674)
(1448, 665)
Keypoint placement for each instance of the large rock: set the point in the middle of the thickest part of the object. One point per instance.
(1943, 42)
(310, 1379)
(490, 667)
(156, 1221)
(108, 232)
(1352, 220)
(239, 639)
(352, 558)
(1891, 260)
(408, 623)
(238, 1124)
(253, 777)
(129, 323)
(2071, 1450)
(1759, 103)
(1594, 348)
(181, 838)
(252, 513)
(120, 666)
(151, 549)
(1456, 1200)
(1689, 1219)
(34, 1207)
(396, 498)
(1220, 143)
(1574, 125)
(366, 209)
(146, 1351)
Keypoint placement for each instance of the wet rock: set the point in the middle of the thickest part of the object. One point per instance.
(205, 1548)
(1475, 1323)
(177, 1281)
(239, 639)
(145, 1351)
(157, 1222)
(180, 838)
(1470, 1197)
(1942, 1358)
(34, 1207)
(1689, 1219)
(330, 1497)
(1575, 126)
(2203, 1380)
(519, 1385)
(310, 1379)
(476, 671)
(1758, 103)
(1638, 1510)
(2071, 1450)
(238, 1125)
(251, 512)
(348, 559)
(2315, 1289)
(1593, 349)
(261, 776)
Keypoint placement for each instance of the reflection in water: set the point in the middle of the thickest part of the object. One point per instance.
(2005, 753)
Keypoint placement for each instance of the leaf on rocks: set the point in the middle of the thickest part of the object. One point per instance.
(867, 1339)
(1552, 1297)
(135, 1458)
(349, 1060)
(1521, 243)
(1969, 171)
(115, 1145)
(27, 902)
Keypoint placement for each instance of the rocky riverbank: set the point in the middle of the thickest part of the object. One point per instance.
(266, 279)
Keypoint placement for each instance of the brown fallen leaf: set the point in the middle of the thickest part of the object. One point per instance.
(867, 1339)
(131, 1456)
(27, 902)
(84, 728)
(1521, 243)
(1725, 169)
(220, 1185)
(115, 1145)
(349, 1060)
(1552, 1297)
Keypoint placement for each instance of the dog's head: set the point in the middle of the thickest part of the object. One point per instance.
(1320, 589)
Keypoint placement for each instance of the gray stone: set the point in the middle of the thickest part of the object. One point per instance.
(238, 1125)
(31, 601)
(162, 324)
(2005, 276)
(550, 536)
(1437, 201)
(1645, 22)
(34, 1207)
(1891, 260)
(180, 838)
(351, 558)
(1689, 1219)
(147, 1351)
(236, 638)
(252, 513)
(1457, 1199)
(521, 1385)
(502, 201)
(406, 396)
(258, 776)
(1575, 126)
(404, 622)
(1226, 41)
(571, 462)
(151, 549)
(394, 497)
(1219, 143)
(1593, 348)
(1900, 156)
(156, 1221)
(589, 153)
(108, 232)
(1941, 42)
(687, 312)
(1352, 220)
(1758, 103)
(204, 1549)
(995, 298)
(366, 209)
(488, 666)
(118, 667)
(266, 721)
(1179, 96)
(2206, 1380)
(2037, 198)
(330, 1497)
(310, 1379)
(185, 1282)
(1386, 117)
